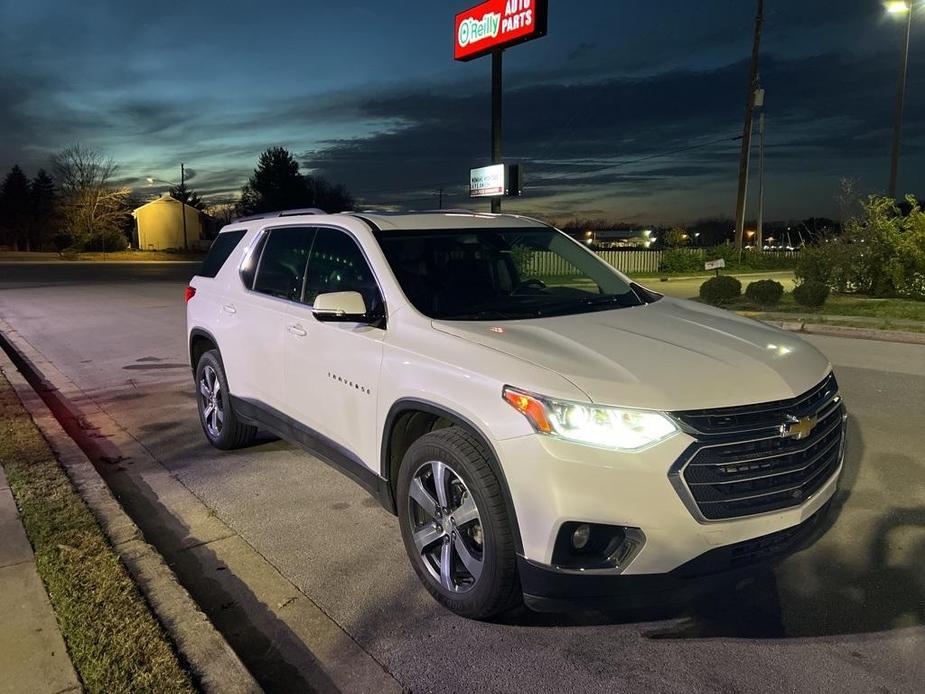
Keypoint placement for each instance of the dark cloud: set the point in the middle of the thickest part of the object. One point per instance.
(829, 116)
(630, 107)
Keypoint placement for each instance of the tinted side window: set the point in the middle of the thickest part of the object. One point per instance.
(219, 251)
(282, 263)
(251, 260)
(337, 265)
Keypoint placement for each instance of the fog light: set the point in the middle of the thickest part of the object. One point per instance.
(581, 536)
(594, 546)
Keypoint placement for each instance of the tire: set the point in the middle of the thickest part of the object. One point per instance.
(485, 543)
(220, 425)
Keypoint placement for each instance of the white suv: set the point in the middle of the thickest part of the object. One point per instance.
(544, 427)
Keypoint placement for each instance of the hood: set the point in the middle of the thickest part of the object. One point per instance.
(668, 355)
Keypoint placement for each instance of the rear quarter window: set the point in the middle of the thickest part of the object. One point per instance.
(219, 251)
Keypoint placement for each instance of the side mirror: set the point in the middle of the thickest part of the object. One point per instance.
(345, 307)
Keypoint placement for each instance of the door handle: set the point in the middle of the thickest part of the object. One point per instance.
(228, 308)
(297, 330)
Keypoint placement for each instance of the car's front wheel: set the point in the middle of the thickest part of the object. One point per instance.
(455, 525)
(219, 422)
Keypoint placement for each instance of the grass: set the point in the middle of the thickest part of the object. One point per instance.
(113, 639)
(848, 305)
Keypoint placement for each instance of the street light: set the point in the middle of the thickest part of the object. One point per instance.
(897, 8)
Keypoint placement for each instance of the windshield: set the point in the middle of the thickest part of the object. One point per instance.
(502, 274)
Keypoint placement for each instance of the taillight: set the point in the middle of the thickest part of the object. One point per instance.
(190, 293)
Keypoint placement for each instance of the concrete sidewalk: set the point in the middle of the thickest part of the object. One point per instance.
(33, 657)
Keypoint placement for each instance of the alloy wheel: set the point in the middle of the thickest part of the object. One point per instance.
(446, 527)
(211, 401)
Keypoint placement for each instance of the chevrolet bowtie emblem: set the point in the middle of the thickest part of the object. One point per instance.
(797, 427)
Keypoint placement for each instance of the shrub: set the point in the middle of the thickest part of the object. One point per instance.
(677, 260)
(768, 260)
(815, 263)
(881, 252)
(811, 293)
(723, 252)
(764, 292)
(720, 290)
(62, 241)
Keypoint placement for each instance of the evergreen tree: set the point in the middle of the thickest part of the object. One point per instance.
(277, 185)
(15, 210)
(185, 194)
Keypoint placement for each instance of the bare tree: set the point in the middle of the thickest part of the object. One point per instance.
(848, 199)
(676, 237)
(94, 208)
(222, 212)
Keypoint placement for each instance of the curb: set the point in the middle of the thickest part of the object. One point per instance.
(212, 662)
(855, 333)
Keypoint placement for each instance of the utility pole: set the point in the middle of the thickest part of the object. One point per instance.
(496, 121)
(440, 198)
(183, 204)
(759, 242)
(747, 130)
(900, 105)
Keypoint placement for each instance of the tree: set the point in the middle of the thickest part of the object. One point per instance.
(43, 199)
(184, 194)
(222, 212)
(676, 237)
(14, 210)
(93, 208)
(713, 232)
(276, 184)
(329, 196)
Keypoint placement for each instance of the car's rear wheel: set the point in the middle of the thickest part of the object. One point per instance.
(219, 422)
(455, 524)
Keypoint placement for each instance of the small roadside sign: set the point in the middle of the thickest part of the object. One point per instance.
(714, 264)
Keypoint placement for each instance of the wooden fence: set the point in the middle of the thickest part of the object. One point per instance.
(544, 263)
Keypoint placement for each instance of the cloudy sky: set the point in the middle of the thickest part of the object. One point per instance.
(628, 108)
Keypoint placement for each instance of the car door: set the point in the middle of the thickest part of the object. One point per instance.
(260, 319)
(332, 368)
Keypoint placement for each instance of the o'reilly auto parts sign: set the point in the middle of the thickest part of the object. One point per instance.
(497, 24)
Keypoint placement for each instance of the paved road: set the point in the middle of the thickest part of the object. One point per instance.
(847, 614)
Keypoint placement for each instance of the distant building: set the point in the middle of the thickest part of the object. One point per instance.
(159, 225)
(614, 238)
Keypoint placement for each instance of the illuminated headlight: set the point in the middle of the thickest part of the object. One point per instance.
(608, 427)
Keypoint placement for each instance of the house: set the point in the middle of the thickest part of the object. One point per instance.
(161, 223)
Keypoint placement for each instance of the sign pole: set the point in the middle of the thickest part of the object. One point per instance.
(496, 121)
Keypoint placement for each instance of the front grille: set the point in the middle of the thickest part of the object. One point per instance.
(741, 465)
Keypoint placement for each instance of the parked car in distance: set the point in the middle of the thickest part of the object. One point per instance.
(570, 441)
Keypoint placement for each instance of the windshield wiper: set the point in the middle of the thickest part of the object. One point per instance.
(491, 315)
(582, 305)
(605, 300)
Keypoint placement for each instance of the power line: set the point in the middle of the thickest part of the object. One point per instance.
(662, 155)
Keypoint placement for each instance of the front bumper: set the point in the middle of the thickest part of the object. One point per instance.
(547, 589)
(552, 482)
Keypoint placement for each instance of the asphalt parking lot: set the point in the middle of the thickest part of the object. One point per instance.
(846, 614)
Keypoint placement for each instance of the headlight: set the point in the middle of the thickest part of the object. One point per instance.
(608, 427)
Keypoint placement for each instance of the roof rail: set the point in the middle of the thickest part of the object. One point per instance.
(280, 213)
(405, 213)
